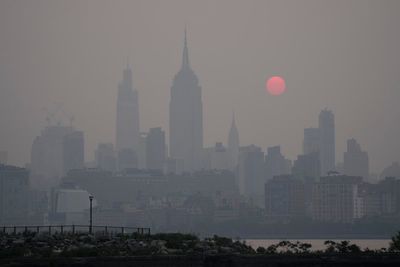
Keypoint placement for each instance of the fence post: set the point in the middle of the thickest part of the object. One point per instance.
(37, 229)
(122, 230)
(105, 229)
(4, 229)
(15, 230)
(73, 229)
(62, 229)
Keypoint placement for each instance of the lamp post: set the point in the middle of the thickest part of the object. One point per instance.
(91, 215)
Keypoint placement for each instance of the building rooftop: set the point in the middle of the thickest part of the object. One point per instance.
(10, 168)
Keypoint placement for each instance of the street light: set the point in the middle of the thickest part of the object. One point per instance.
(91, 213)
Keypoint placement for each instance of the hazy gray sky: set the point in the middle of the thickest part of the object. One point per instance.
(340, 54)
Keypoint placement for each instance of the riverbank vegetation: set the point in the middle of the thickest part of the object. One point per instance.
(85, 245)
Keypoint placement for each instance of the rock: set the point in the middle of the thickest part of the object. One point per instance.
(158, 243)
(103, 238)
(211, 252)
(57, 251)
(40, 244)
(73, 247)
(226, 250)
(18, 242)
(164, 252)
(28, 253)
(87, 246)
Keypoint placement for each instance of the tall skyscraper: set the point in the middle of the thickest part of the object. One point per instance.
(127, 128)
(186, 116)
(327, 141)
(155, 149)
(233, 144)
(355, 162)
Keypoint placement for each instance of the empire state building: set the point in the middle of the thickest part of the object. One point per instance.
(186, 116)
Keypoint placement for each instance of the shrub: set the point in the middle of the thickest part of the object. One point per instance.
(394, 245)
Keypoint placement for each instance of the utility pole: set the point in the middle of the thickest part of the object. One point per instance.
(91, 215)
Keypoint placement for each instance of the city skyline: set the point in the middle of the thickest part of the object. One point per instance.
(310, 87)
(187, 151)
(250, 120)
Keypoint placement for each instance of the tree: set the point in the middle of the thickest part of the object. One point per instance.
(394, 245)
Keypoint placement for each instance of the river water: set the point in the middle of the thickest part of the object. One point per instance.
(318, 244)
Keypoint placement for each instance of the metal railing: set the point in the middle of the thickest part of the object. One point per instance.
(75, 229)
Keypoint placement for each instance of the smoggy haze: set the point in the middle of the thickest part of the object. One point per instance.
(343, 55)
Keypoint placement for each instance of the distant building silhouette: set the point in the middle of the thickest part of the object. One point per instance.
(276, 163)
(105, 157)
(251, 177)
(308, 169)
(73, 151)
(355, 161)
(284, 198)
(127, 159)
(392, 170)
(216, 158)
(49, 161)
(335, 199)
(174, 166)
(142, 151)
(70, 206)
(233, 144)
(14, 195)
(339, 167)
(380, 199)
(127, 127)
(307, 166)
(132, 186)
(326, 124)
(155, 149)
(186, 116)
(389, 189)
(311, 141)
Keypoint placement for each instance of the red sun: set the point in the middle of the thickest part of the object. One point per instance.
(276, 85)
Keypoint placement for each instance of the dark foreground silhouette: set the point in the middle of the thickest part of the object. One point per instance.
(31, 249)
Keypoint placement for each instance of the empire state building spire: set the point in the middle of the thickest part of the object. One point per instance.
(185, 56)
